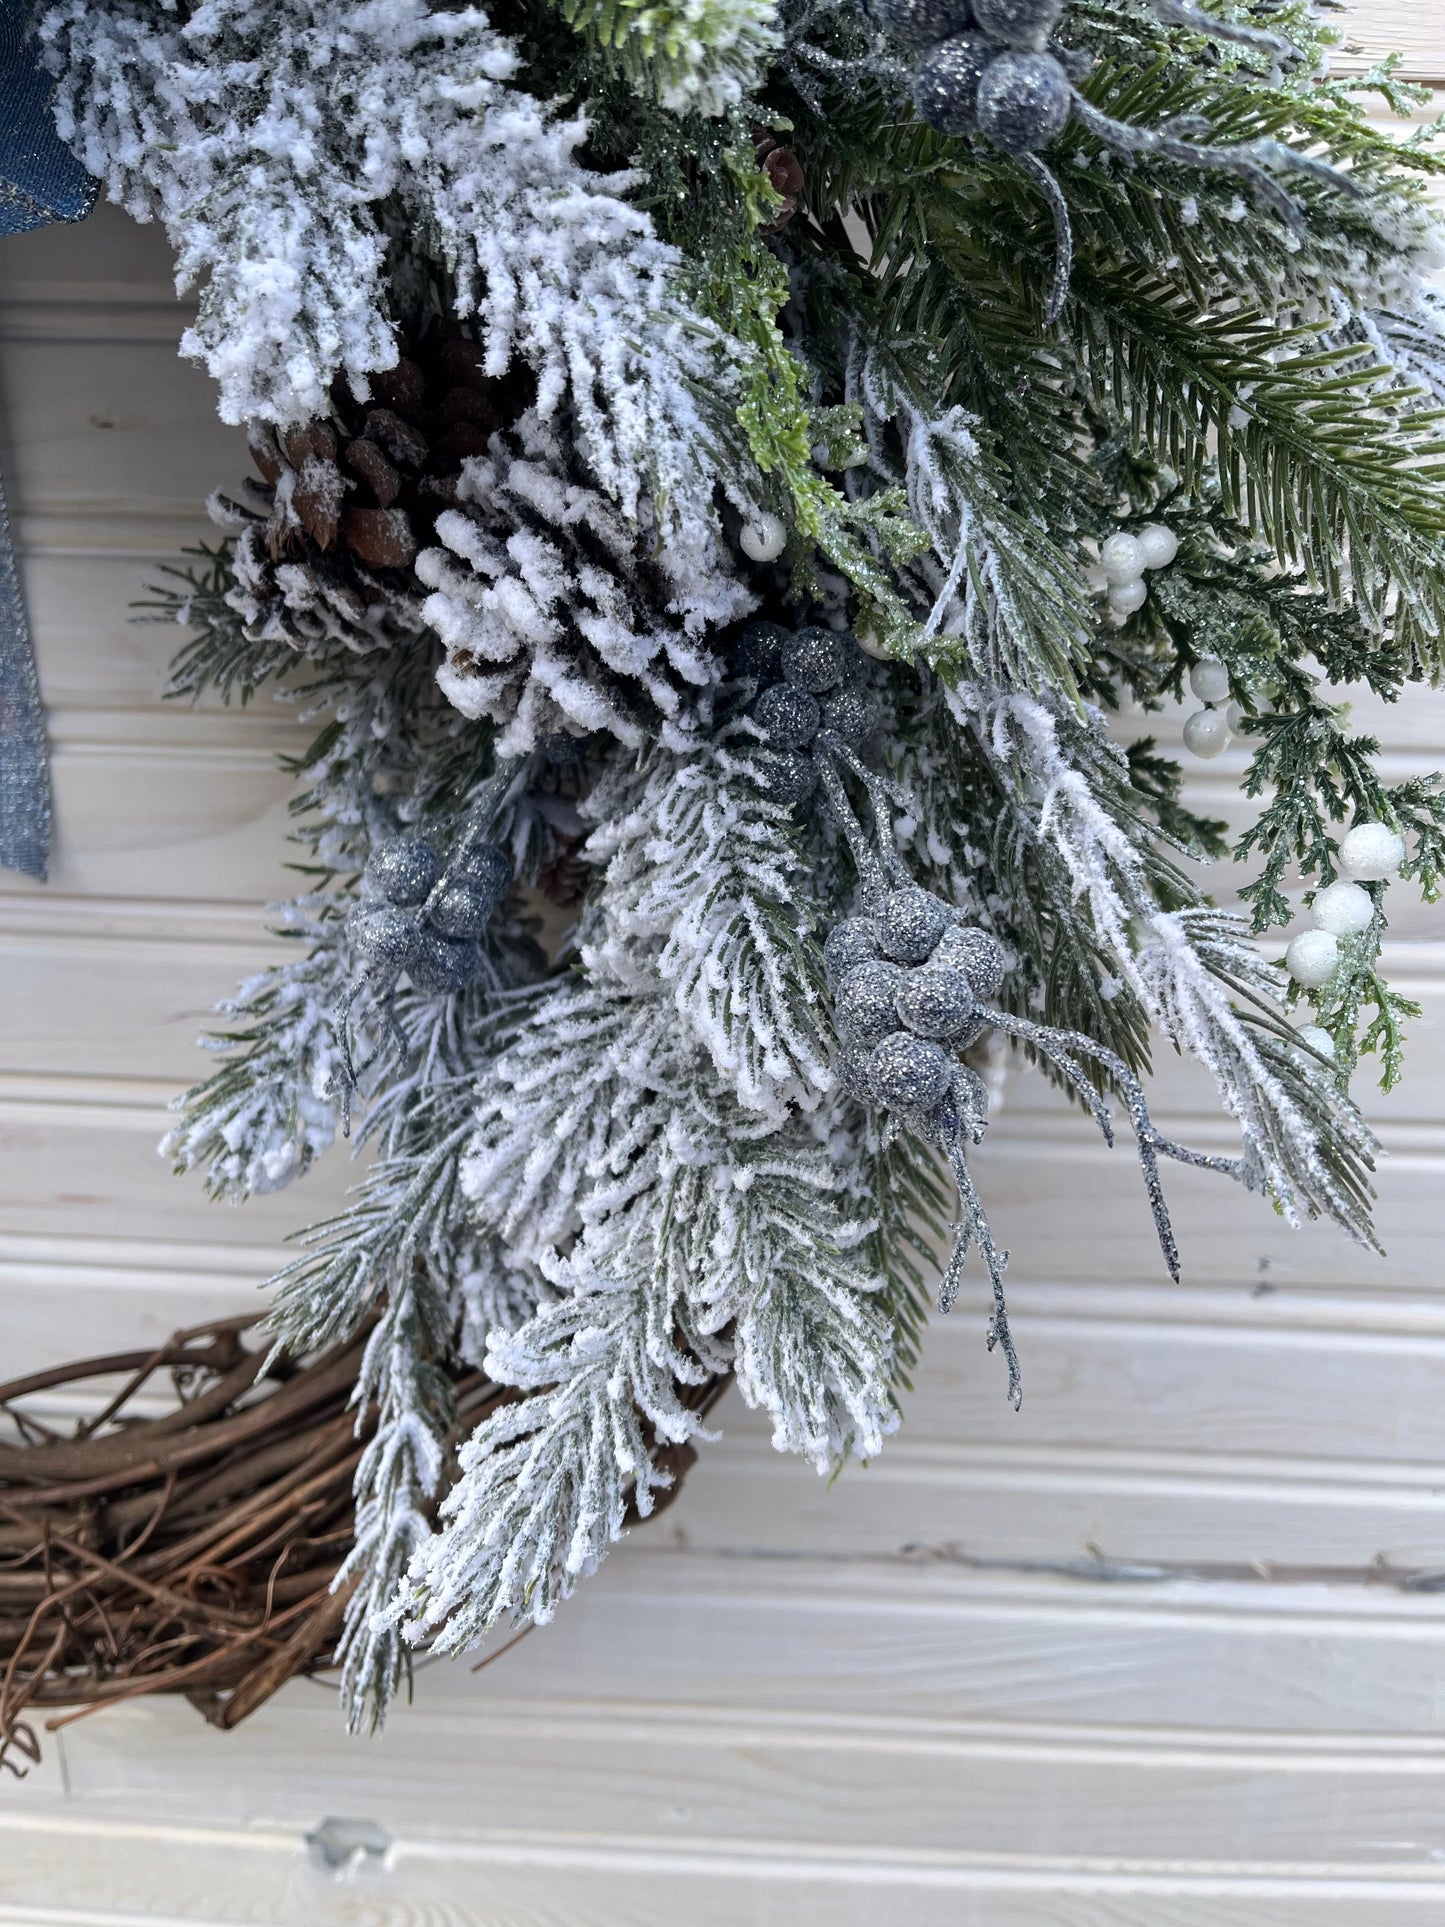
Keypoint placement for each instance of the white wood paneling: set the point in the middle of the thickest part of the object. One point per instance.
(1161, 1650)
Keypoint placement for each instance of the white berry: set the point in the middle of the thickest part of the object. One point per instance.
(1344, 909)
(1126, 597)
(1312, 957)
(869, 642)
(763, 540)
(1209, 680)
(1206, 733)
(1157, 545)
(1120, 558)
(1371, 852)
(1236, 716)
(1318, 1039)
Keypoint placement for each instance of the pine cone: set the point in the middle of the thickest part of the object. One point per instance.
(561, 617)
(785, 176)
(328, 536)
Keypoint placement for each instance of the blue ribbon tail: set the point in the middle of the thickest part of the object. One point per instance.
(24, 769)
(40, 181)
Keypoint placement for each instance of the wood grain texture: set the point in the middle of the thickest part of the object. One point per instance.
(913, 1694)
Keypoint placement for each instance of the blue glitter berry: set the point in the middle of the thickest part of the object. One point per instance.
(443, 965)
(402, 870)
(977, 954)
(488, 867)
(938, 1001)
(1023, 101)
(788, 776)
(945, 83)
(917, 24)
(909, 1073)
(460, 907)
(850, 714)
(386, 936)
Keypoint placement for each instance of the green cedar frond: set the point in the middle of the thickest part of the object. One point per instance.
(698, 56)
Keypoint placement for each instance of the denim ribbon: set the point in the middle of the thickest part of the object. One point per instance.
(40, 181)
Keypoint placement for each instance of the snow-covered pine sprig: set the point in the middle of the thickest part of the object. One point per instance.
(699, 1239)
(269, 139)
(1064, 845)
(702, 897)
(663, 1140)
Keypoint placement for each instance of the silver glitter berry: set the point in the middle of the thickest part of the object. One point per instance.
(460, 907)
(402, 870)
(938, 1001)
(853, 1076)
(814, 659)
(852, 942)
(787, 775)
(912, 922)
(1025, 24)
(442, 965)
(385, 936)
(866, 1009)
(758, 651)
(488, 867)
(1023, 101)
(909, 1073)
(945, 83)
(917, 24)
(976, 953)
(849, 713)
(789, 716)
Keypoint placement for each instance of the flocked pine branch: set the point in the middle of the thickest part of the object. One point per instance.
(699, 1240)
(1308, 1148)
(268, 139)
(706, 867)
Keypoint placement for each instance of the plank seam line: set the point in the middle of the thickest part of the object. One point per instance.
(802, 1860)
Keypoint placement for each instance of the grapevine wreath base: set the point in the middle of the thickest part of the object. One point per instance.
(195, 1550)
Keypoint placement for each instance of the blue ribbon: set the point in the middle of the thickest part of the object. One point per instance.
(40, 181)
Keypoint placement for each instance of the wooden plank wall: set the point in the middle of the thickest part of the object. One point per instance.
(1145, 1655)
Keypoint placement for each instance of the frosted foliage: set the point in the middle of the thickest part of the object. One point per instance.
(686, 1237)
(559, 615)
(397, 1476)
(265, 134)
(657, 1170)
(703, 882)
(1181, 965)
(261, 1130)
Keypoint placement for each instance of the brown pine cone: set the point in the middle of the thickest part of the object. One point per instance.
(785, 176)
(564, 880)
(328, 535)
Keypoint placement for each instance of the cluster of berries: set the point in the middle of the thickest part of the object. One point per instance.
(422, 919)
(984, 67)
(809, 689)
(911, 984)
